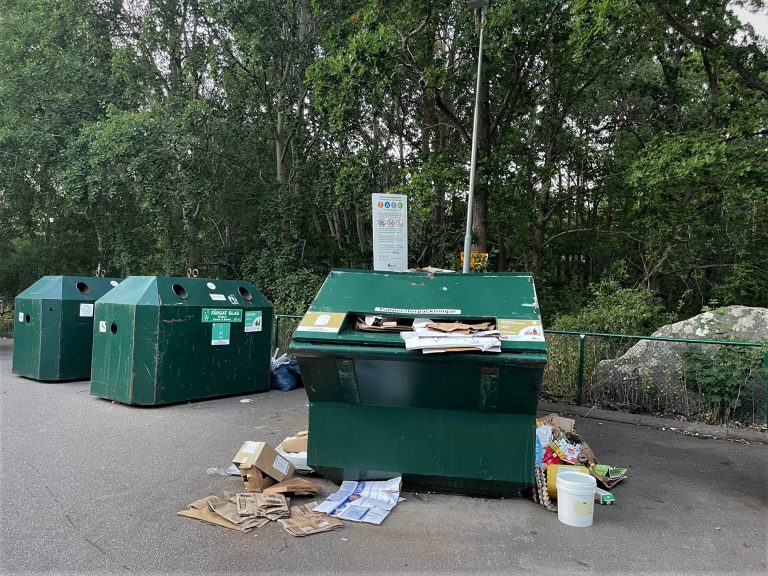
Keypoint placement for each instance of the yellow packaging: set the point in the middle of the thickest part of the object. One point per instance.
(552, 470)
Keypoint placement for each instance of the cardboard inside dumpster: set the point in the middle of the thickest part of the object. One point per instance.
(257, 461)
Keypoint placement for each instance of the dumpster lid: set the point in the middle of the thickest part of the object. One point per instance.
(509, 299)
(87, 288)
(168, 291)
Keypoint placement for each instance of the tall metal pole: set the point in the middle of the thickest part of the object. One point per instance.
(473, 162)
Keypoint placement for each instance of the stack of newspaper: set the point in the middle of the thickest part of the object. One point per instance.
(435, 337)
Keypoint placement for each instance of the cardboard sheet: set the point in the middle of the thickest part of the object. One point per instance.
(305, 521)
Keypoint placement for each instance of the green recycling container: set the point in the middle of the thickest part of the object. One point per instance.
(461, 422)
(159, 340)
(53, 327)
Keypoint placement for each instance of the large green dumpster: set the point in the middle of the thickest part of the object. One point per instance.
(160, 340)
(449, 422)
(53, 327)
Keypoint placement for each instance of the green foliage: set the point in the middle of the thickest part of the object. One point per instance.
(725, 378)
(245, 138)
(283, 279)
(613, 309)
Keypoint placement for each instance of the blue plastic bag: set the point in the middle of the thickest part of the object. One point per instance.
(286, 377)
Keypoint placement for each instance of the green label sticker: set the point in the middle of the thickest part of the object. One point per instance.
(219, 334)
(222, 315)
(253, 321)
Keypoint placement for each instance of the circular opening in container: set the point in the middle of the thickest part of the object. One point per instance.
(83, 288)
(114, 328)
(179, 290)
(27, 318)
(245, 293)
(50, 308)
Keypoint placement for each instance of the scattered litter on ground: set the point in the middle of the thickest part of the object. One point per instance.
(558, 447)
(246, 400)
(267, 480)
(270, 506)
(231, 471)
(304, 521)
(297, 486)
(367, 501)
(263, 457)
(603, 496)
(220, 512)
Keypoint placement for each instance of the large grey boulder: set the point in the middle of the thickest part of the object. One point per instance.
(649, 375)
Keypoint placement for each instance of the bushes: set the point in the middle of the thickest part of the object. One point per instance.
(618, 310)
(725, 380)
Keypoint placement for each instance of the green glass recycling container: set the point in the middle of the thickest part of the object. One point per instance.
(53, 327)
(160, 340)
(460, 422)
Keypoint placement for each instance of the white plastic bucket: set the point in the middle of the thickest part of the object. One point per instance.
(575, 498)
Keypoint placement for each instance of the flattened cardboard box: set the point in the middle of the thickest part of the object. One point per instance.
(262, 456)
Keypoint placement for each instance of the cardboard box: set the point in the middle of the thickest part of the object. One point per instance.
(262, 456)
(254, 480)
(296, 443)
(604, 497)
(294, 449)
(566, 424)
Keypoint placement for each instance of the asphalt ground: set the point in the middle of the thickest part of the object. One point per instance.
(91, 487)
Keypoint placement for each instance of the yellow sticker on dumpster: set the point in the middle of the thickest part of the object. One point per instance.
(520, 330)
(322, 322)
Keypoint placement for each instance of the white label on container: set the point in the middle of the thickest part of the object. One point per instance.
(250, 447)
(21, 316)
(419, 311)
(252, 321)
(217, 297)
(211, 285)
(113, 283)
(281, 465)
(102, 326)
(86, 310)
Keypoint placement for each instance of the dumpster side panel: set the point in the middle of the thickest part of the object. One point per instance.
(26, 338)
(519, 388)
(450, 450)
(76, 341)
(48, 331)
(183, 362)
(191, 366)
(418, 384)
(145, 350)
(321, 378)
(112, 358)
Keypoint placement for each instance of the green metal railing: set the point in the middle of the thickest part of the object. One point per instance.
(574, 375)
(582, 337)
(285, 324)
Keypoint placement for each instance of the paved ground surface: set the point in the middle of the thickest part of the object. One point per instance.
(87, 486)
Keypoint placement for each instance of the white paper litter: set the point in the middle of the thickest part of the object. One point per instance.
(364, 501)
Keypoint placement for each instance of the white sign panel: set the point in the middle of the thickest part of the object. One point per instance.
(390, 232)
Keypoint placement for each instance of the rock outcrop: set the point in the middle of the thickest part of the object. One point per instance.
(650, 374)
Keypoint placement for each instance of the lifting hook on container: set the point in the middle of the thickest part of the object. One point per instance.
(99, 272)
(192, 272)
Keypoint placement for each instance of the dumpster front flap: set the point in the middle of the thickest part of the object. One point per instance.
(508, 299)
